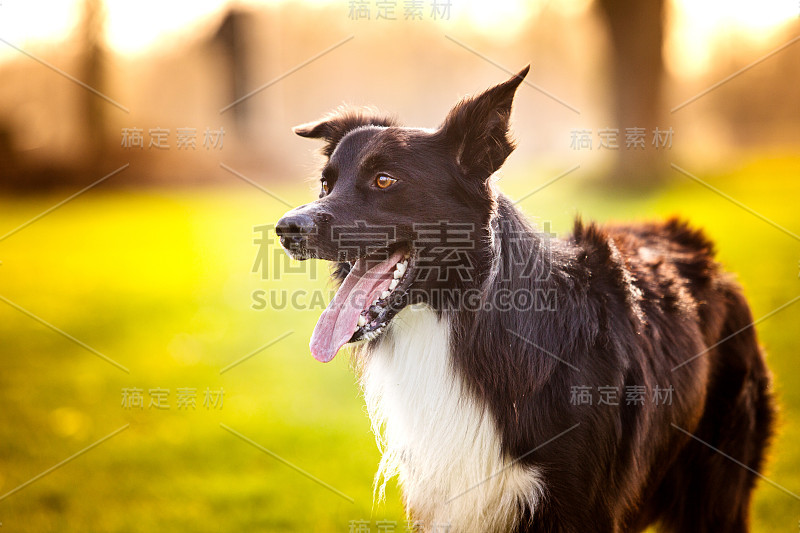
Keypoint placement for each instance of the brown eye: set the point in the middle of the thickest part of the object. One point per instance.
(325, 188)
(384, 182)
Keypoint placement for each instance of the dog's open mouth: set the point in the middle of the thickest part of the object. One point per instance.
(370, 296)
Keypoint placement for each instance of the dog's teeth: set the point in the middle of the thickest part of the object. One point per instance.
(401, 268)
(397, 274)
(393, 285)
(385, 294)
(362, 320)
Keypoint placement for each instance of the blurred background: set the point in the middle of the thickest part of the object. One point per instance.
(154, 368)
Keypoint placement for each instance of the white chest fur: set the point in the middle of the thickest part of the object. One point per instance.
(442, 445)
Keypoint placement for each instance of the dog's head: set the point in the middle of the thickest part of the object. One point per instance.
(403, 211)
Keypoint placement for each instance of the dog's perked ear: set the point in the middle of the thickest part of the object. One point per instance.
(335, 126)
(476, 129)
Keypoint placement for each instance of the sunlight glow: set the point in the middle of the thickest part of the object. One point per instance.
(133, 27)
(23, 22)
(506, 17)
(139, 27)
(698, 27)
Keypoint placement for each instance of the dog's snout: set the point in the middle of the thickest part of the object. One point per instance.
(293, 229)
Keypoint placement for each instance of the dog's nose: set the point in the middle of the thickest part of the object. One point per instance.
(293, 229)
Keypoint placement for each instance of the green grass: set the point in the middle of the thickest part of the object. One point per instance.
(161, 282)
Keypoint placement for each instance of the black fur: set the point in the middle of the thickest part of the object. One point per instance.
(622, 307)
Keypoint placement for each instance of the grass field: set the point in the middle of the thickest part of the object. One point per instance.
(161, 283)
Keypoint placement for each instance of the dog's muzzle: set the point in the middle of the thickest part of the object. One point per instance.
(294, 230)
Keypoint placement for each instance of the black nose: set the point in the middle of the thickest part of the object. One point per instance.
(293, 229)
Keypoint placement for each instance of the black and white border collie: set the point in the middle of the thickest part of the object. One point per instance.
(474, 330)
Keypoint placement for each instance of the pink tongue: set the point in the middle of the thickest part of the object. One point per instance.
(339, 320)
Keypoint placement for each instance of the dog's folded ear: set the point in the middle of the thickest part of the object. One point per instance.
(335, 126)
(476, 129)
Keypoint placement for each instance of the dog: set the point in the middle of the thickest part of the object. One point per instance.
(605, 381)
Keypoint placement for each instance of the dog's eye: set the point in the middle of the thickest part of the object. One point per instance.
(384, 182)
(325, 188)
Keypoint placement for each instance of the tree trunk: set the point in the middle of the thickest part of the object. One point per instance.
(92, 57)
(636, 30)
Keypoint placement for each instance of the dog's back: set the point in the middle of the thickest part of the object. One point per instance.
(707, 482)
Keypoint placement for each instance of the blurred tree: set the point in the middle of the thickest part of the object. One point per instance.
(636, 30)
(234, 39)
(8, 156)
(92, 73)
